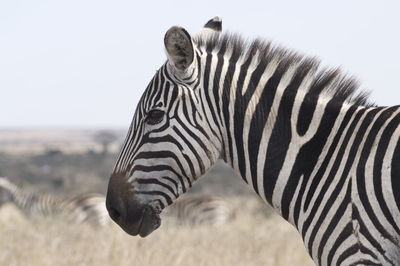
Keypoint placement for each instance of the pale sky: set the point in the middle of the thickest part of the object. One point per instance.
(86, 63)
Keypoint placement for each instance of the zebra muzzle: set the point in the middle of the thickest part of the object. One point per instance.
(134, 219)
(132, 214)
(137, 220)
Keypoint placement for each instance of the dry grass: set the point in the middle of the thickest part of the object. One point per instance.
(249, 240)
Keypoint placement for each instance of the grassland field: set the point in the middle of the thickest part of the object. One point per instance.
(69, 162)
(252, 238)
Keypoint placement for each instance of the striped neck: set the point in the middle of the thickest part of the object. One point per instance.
(277, 115)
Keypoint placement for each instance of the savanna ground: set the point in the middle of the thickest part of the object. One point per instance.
(255, 237)
(251, 239)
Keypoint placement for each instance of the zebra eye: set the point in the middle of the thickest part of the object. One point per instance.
(154, 117)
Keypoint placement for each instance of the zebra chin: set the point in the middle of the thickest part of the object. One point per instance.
(142, 222)
(132, 215)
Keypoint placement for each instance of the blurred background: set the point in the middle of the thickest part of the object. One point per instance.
(72, 72)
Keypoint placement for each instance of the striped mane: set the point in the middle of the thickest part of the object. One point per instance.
(329, 82)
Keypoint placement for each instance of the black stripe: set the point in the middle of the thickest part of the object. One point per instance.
(164, 155)
(334, 222)
(346, 233)
(309, 105)
(364, 230)
(332, 175)
(377, 173)
(192, 149)
(206, 89)
(333, 170)
(156, 193)
(395, 174)
(361, 186)
(281, 133)
(226, 99)
(240, 106)
(317, 179)
(307, 158)
(157, 182)
(160, 168)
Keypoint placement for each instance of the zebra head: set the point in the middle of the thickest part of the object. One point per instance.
(170, 142)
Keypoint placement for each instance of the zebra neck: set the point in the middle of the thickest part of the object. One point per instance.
(276, 137)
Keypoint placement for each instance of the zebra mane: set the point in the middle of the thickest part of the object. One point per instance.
(332, 83)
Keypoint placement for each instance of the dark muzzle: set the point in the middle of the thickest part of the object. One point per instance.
(133, 217)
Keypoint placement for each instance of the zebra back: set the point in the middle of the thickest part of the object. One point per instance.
(29, 202)
(87, 208)
(199, 210)
(6, 190)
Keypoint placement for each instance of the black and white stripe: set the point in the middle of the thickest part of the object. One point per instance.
(304, 138)
(84, 208)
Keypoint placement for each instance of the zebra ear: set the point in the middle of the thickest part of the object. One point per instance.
(179, 47)
(214, 24)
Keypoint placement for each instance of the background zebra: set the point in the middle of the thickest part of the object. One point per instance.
(90, 207)
(84, 208)
(199, 210)
(304, 138)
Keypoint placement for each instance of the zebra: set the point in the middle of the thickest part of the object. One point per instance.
(85, 208)
(305, 138)
(197, 210)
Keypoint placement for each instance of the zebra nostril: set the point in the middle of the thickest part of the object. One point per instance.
(116, 209)
(114, 214)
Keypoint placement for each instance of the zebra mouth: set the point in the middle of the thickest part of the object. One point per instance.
(141, 223)
(149, 222)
